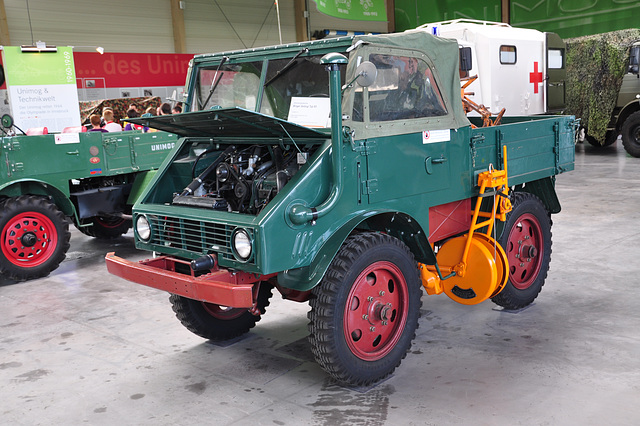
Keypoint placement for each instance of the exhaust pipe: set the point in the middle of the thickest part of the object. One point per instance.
(300, 214)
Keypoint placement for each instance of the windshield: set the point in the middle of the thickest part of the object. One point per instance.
(234, 85)
(304, 79)
(238, 85)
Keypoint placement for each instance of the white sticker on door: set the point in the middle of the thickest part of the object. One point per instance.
(430, 136)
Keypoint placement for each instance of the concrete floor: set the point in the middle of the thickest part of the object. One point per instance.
(82, 346)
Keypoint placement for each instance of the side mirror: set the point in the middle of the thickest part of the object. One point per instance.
(634, 60)
(7, 121)
(366, 74)
(465, 59)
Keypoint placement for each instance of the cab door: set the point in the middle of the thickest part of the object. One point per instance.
(404, 105)
(406, 165)
(556, 72)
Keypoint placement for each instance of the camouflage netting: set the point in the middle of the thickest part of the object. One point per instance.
(595, 67)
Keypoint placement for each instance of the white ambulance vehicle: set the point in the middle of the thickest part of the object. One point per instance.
(521, 70)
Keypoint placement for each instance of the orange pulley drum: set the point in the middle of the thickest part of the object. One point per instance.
(500, 257)
(482, 276)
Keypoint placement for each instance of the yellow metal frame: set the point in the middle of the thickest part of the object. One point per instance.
(499, 180)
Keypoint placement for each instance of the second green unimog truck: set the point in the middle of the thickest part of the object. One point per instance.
(345, 173)
(46, 181)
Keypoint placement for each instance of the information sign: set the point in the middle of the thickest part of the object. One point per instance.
(42, 88)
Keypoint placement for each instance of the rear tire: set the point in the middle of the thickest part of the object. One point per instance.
(526, 240)
(365, 311)
(34, 237)
(631, 134)
(215, 322)
(609, 139)
(104, 228)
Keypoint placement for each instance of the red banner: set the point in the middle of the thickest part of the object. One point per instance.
(133, 69)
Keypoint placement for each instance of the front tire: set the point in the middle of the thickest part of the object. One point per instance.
(34, 237)
(526, 240)
(631, 134)
(365, 311)
(215, 322)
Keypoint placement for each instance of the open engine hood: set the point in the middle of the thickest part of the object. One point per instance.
(229, 122)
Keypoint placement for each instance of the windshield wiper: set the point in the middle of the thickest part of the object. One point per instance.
(215, 81)
(287, 67)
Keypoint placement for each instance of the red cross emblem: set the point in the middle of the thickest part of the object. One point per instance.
(535, 77)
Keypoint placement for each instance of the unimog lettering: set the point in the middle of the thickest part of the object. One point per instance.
(400, 192)
(162, 147)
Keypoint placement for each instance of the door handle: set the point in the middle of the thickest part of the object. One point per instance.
(76, 152)
(429, 162)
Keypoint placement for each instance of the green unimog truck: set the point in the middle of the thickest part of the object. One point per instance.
(89, 178)
(345, 173)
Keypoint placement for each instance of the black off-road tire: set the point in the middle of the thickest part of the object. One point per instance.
(528, 225)
(105, 228)
(609, 139)
(34, 237)
(631, 134)
(218, 323)
(371, 272)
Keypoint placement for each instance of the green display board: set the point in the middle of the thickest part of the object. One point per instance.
(357, 10)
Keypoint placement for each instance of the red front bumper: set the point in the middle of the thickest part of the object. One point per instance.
(221, 287)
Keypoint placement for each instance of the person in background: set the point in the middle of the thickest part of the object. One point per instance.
(132, 113)
(177, 109)
(110, 125)
(135, 108)
(149, 112)
(95, 124)
(164, 109)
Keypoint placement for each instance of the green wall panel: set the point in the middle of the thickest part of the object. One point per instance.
(568, 18)
(573, 18)
(411, 13)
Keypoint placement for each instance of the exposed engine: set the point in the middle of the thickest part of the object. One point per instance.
(241, 179)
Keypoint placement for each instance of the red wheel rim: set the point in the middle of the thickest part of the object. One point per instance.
(109, 222)
(29, 239)
(376, 311)
(525, 251)
(222, 312)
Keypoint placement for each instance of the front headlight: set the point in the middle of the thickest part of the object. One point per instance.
(242, 244)
(143, 228)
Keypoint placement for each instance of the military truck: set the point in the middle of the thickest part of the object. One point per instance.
(626, 114)
(91, 178)
(345, 173)
(606, 94)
